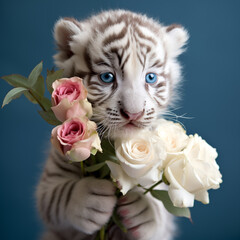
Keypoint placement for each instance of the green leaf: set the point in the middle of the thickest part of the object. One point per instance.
(164, 197)
(51, 77)
(30, 97)
(49, 117)
(107, 147)
(44, 102)
(108, 152)
(95, 167)
(39, 86)
(94, 151)
(33, 77)
(16, 80)
(13, 94)
(102, 157)
(104, 171)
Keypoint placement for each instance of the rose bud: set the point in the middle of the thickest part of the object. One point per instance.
(76, 138)
(69, 99)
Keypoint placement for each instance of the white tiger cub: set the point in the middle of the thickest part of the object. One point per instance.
(128, 63)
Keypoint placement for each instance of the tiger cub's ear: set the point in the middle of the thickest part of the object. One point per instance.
(71, 39)
(64, 30)
(176, 38)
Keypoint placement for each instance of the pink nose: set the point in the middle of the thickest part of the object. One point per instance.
(131, 116)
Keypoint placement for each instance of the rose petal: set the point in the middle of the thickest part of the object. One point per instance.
(78, 154)
(64, 81)
(180, 197)
(150, 178)
(96, 143)
(54, 140)
(61, 109)
(68, 92)
(75, 110)
(87, 106)
(202, 196)
(172, 134)
(72, 131)
(126, 182)
(134, 171)
(193, 170)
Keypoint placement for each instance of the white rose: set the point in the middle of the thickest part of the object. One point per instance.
(124, 182)
(172, 134)
(192, 172)
(139, 161)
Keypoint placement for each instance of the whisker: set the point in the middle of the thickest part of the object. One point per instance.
(183, 116)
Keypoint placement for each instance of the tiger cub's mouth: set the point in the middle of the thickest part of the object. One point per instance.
(133, 125)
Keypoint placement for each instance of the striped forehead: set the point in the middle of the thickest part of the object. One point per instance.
(125, 44)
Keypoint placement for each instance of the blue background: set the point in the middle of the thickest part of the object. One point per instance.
(210, 94)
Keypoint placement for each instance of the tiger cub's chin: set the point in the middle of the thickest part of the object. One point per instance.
(126, 131)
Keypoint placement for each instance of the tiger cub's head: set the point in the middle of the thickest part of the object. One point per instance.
(128, 63)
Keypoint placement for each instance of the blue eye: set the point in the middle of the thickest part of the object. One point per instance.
(107, 77)
(151, 78)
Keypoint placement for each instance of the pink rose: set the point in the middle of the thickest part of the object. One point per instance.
(76, 138)
(69, 99)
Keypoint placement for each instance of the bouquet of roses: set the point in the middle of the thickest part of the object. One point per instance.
(164, 154)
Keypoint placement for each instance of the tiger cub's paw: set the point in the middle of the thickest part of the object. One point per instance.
(91, 204)
(137, 216)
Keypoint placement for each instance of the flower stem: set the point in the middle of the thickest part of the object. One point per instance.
(102, 233)
(82, 168)
(39, 102)
(152, 187)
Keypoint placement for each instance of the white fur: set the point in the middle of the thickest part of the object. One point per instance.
(91, 204)
(92, 200)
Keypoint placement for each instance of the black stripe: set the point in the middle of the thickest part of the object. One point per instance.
(115, 37)
(65, 168)
(100, 62)
(157, 64)
(69, 193)
(142, 36)
(144, 58)
(93, 87)
(59, 199)
(96, 210)
(119, 57)
(126, 59)
(160, 91)
(81, 74)
(101, 100)
(140, 60)
(150, 113)
(159, 104)
(148, 118)
(49, 208)
(53, 174)
(87, 59)
(98, 94)
(95, 83)
(161, 84)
